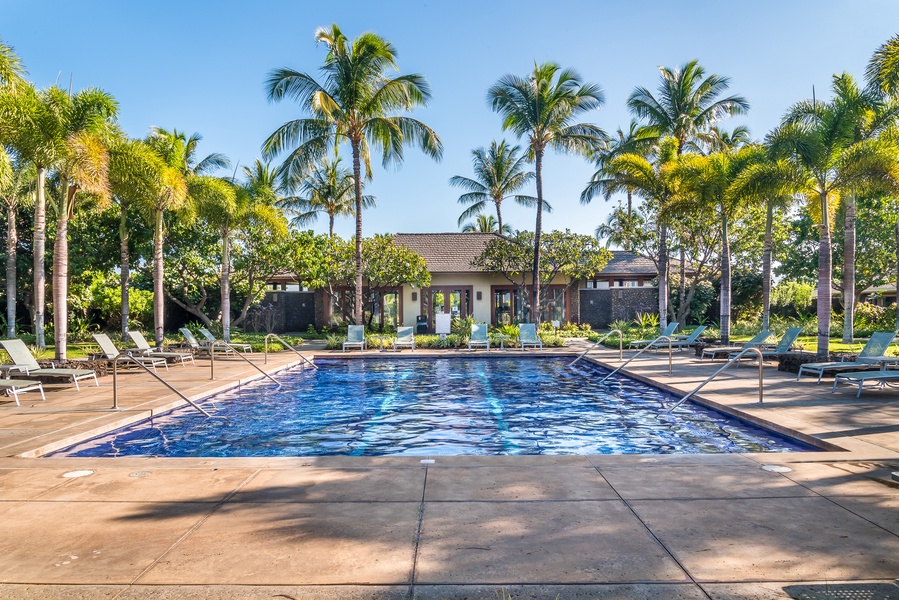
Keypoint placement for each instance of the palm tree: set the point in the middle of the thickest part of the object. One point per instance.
(32, 124)
(687, 105)
(636, 140)
(499, 172)
(328, 189)
(358, 103)
(16, 181)
(135, 174)
(820, 141)
(543, 107)
(882, 75)
(11, 68)
(707, 180)
(653, 181)
(82, 166)
(486, 224)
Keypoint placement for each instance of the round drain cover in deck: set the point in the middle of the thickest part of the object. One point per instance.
(776, 468)
(73, 474)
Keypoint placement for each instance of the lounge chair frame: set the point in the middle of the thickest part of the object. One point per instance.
(22, 358)
(20, 386)
(355, 337)
(881, 378)
(478, 337)
(871, 356)
(110, 352)
(527, 336)
(211, 338)
(756, 341)
(146, 350)
(405, 338)
(667, 332)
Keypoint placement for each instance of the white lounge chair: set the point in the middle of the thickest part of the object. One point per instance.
(197, 347)
(870, 357)
(22, 358)
(238, 346)
(20, 386)
(668, 331)
(527, 336)
(405, 338)
(110, 352)
(146, 350)
(758, 340)
(882, 378)
(478, 336)
(355, 337)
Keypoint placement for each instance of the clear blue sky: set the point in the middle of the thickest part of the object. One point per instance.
(200, 66)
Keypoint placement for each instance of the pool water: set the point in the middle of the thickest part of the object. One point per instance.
(442, 406)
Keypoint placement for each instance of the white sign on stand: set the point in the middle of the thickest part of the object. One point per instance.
(443, 323)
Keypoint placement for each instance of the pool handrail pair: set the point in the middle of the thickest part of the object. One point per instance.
(599, 341)
(238, 353)
(115, 382)
(727, 365)
(289, 347)
(641, 351)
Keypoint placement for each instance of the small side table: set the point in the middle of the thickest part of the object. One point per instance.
(503, 338)
(381, 339)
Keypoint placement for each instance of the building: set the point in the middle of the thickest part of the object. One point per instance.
(623, 288)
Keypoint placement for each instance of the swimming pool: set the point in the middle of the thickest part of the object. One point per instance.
(438, 406)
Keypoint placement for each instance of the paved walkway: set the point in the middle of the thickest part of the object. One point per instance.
(705, 526)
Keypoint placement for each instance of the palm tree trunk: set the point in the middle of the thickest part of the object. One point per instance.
(538, 231)
(61, 274)
(499, 217)
(158, 297)
(725, 281)
(897, 270)
(357, 183)
(825, 267)
(40, 241)
(663, 275)
(330, 224)
(226, 285)
(11, 239)
(125, 268)
(849, 271)
(766, 267)
(682, 287)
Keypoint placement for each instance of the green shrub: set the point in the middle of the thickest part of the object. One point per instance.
(462, 327)
(335, 342)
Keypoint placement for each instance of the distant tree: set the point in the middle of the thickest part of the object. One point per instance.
(544, 108)
(16, 183)
(328, 189)
(486, 224)
(358, 103)
(636, 140)
(499, 173)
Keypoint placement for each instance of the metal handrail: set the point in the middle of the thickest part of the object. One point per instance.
(283, 341)
(599, 341)
(642, 350)
(239, 353)
(115, 382)
(727, 365)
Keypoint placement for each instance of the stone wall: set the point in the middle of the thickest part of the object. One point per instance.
(286, 312)
(601, 307)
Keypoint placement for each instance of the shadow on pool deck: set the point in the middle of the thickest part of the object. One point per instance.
(631, 526)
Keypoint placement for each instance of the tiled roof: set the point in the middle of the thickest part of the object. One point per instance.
(446, 252)
(627, 263)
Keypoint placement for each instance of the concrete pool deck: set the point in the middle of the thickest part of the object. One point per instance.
(626, 526)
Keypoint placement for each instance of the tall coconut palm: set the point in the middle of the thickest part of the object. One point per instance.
(544, 107)
(820, 140)
(82, 166)
(486, 224)
(499, 173)
(16, 189)
(328, 188)
(359, 103)
(688, 103)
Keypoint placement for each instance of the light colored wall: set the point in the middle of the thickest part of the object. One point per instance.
(480, 282)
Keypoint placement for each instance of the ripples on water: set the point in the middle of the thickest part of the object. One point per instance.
(440, 406)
